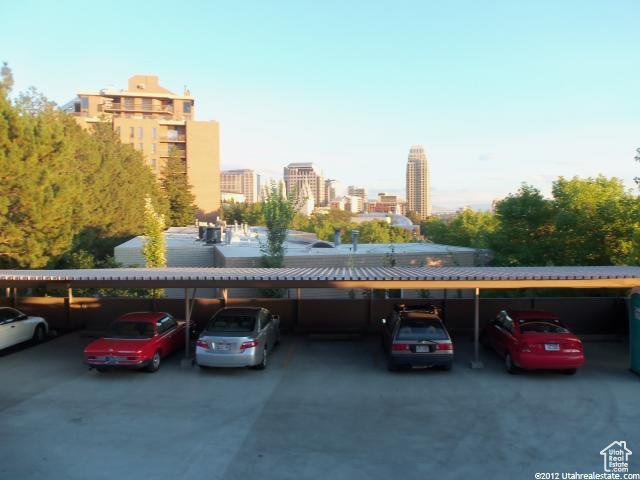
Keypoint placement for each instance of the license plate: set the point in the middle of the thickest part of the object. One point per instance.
(110, 359)
(422, 349)
(223, 346)
(552, 347)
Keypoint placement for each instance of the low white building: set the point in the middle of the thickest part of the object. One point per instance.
(241, 247)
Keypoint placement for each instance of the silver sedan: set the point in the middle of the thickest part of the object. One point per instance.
(238, 337)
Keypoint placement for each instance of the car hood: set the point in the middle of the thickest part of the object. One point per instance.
(116, 345)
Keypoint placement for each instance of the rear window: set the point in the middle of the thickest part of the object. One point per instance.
(232, 323)
(421, 329)
(542, 326)
(131, 330)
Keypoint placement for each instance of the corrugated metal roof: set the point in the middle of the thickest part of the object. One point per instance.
(370, 277)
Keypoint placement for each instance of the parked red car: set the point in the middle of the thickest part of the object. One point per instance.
(533, 340)
(136, 340)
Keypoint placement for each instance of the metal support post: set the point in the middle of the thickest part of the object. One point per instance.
(476, 363)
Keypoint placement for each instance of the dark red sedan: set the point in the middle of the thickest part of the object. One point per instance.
(136, 340)
(533, 340)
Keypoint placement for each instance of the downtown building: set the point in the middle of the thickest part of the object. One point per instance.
(158, 123)
(418, 192)
(244, 182)
(305, 177)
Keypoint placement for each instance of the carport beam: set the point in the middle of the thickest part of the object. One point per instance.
(476, 363)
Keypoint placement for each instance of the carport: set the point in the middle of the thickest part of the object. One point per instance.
(190, 279)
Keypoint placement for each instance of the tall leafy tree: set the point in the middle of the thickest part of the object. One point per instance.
(176, 188)
(154, 247)
(524, 230)
(595, 221)
(278, 211)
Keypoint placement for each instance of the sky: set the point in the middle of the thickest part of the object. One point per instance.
(498, 93)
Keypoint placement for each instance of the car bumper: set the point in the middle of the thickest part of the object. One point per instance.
(422, 360)
(207, 358)
(549, 362)
(128, 364)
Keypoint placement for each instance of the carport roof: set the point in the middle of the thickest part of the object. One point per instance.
(372, 277)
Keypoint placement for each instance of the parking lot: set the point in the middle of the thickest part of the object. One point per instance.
(322, 409)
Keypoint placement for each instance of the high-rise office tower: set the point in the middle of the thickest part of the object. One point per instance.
(296, 175)
(240, 181)
(418, 194)
(158, 122)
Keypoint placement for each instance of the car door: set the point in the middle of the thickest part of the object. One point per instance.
(23, 327)
(505, 338)
(266, 332)
(493, 332)
(17, 329)
(6, 330)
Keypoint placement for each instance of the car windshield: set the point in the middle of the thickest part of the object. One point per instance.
(131, 330)
(541, 326)
(421, 329)
(232, 323)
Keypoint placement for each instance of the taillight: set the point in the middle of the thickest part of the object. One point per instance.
(249, 344)
(525, 348)
(202, 344)
(400, 347)
(445, 346)
(573, 348)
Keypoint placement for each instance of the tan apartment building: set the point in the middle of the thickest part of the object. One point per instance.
(157, 122)
(243, 182)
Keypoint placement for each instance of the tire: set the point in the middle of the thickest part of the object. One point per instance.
(263, 364)
(570, 371)
(508, 364)
(39, 334)
(447, 367)
(391, 366)
(155, 362)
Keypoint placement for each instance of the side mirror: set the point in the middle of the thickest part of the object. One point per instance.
(22, 316)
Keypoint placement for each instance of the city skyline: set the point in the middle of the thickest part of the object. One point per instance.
(504, 93)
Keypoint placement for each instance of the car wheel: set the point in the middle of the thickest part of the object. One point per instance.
(263, 364)
(155, 362)
(508, 363)
(39, 334)
(391, 365)
(570, 371)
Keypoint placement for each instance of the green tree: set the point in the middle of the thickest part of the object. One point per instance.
(278, 212)
(176, 188)
(154, 248)
(524, 232)
(595, 221)
(468, 228)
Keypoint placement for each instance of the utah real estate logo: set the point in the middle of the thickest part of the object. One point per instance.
(616, 457)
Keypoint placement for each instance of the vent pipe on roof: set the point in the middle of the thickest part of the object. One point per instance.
(354, 239)
(336, 237)
(228, 234)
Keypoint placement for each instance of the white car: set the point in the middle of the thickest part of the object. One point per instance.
(17, 327)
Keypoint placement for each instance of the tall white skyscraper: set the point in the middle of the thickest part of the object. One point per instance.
(297, 175)
(418, 191)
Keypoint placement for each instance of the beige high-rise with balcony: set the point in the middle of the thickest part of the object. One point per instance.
(418, 194)
(156, 121)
